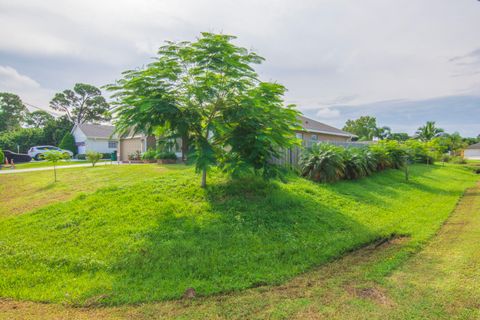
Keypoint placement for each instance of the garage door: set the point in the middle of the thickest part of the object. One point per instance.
(129, 146)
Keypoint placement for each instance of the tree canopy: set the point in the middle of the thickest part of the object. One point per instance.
(12, 111)
(364, 127)
(82, 104)
(208, 92)
(428, 131)
(38, 119)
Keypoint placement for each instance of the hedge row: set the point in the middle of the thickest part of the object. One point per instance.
(325, 162)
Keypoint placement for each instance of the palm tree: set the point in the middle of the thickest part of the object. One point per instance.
(428, 131)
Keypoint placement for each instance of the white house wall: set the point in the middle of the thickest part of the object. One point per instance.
(472, 154)
(98, 145)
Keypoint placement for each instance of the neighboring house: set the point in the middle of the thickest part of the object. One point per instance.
(133, 144)
(95, 137)
(472, 152)
(314, 131)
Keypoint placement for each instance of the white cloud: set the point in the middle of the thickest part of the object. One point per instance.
(27, 88)
(10, 79)
(327, 113)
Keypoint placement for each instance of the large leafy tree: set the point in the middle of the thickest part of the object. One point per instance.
(82, 104)
(12, 111)
(364, 127)
(208, 92)
(428, 131)
(38, 119)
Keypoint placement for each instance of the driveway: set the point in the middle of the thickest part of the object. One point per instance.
(10, 171)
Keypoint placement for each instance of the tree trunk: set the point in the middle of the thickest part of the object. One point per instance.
(184, 147)
(204, 178)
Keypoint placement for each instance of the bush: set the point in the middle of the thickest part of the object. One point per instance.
(418, 151)
(68, 143)
(135, 156)
(24, 138)
(81, 156)
(2, 157)
(355, 163)
(459, 160)
(106, 155)
(445, 157)
(323, 162)
(149, 155)
(166, 156)
(93, 157)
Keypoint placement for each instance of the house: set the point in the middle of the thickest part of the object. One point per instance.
(313, 131)
(95, 137)
(102, 138)
(472, 152)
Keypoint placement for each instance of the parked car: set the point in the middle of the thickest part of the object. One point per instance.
(17, 157)
(38, 151)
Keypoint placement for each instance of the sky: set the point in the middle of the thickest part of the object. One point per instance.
(404, 62)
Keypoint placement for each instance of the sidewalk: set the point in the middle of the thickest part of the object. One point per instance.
(9, 171)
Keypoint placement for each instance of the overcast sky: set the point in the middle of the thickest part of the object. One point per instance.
(403, 61)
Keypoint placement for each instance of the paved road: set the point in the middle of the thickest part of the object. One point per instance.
(9, 171)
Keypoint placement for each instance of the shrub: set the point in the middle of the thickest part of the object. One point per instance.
(106, 155)
(458, 160)
(2, 157)
(355, 163)
(93, 157)
(370, 160)
(149, 154)
(445, 157)
(323, 162)
(81, 156)
(135, 156)
(166, 156)
(418, 151)
(382, 158)
(68, 143)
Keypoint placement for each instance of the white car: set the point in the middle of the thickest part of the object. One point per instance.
(38, 151)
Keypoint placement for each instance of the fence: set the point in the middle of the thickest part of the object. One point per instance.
(291, 157)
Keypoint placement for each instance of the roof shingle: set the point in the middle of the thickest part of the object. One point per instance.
(311, 125)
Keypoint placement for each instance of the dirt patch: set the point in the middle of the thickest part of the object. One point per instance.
(372, 293)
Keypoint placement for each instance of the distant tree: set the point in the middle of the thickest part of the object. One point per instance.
(68, 143)
(12, 111)
(428, 131)
(21, 139)
(38, 119)
(82, 104)
(210, 91)
(364, 127)
(399, 136)
(383, 133)
(55, 130)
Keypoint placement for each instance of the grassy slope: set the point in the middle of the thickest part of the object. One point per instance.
(153, 240)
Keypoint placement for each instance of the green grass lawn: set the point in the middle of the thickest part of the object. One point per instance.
(158, 233)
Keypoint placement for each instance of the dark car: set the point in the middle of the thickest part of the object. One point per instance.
(17, 157)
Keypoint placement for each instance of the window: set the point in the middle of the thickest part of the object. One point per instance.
(314, 137)
(299, 135)
(112, 144)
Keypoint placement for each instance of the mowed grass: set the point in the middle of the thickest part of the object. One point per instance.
(24, 191)
(153, 239)
(43, 164)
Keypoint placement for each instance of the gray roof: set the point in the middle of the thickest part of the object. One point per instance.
(474, 146)
(97, 130)
(310, 125)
